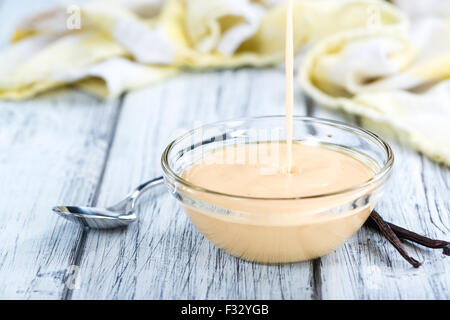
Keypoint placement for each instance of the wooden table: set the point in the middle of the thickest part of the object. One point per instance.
(67, 147)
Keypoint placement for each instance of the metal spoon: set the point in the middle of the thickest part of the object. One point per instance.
(118, 215)
(122, 214)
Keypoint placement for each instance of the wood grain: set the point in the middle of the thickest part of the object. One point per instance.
(51, 152)
(367, 266)
(164, 257)
(68, 147)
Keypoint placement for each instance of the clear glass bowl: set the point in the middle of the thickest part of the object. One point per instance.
(277, 230)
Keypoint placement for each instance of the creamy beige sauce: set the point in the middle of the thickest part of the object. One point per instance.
(289, 71)
(272, 230)
(278, 230)
(257, 170)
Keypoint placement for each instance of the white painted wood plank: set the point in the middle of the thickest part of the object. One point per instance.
(164, 257)
(367, 266)
(44, 161)
(52, 151)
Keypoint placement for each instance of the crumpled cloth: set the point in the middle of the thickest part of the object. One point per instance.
(389, 65)
(394, 80)
(123, 45)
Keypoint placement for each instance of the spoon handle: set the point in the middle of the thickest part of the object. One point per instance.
(136, 193)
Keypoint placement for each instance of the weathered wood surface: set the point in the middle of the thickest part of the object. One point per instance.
(164, 256)
(52, 150)
(367, 266)
(68, 147)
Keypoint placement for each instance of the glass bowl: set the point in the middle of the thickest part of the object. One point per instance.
(277, 230)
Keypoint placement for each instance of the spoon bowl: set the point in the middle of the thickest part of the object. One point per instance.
(119, 215)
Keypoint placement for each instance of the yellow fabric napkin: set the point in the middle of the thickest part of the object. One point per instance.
(401, 80)
(122, 45)
(364, 56)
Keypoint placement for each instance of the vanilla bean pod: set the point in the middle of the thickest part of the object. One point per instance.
(405, 234)
(391, 236)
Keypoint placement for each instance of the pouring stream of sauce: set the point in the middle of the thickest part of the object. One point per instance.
(289, 69)
(267, 230)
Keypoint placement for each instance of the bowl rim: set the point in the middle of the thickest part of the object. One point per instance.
(378, 176)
